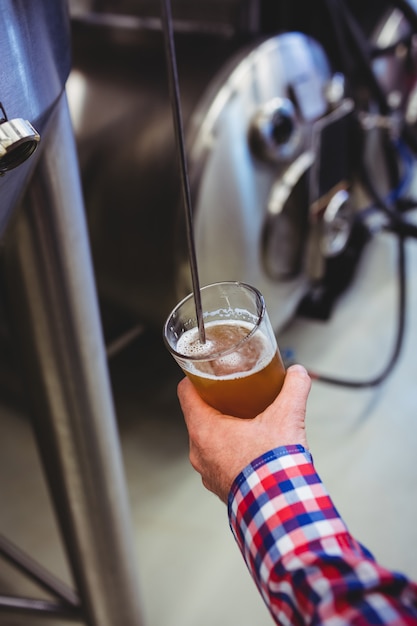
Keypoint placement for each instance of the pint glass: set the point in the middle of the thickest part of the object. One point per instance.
(238, 369)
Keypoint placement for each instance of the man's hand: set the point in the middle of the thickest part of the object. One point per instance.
(221, 445)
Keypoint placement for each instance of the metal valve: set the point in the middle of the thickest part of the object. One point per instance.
(274, 131)
(18, 141)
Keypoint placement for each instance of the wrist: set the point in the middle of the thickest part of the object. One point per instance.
(248, 477)
(279, 494)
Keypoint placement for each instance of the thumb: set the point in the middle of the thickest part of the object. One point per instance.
(288, 411)
(297, 385)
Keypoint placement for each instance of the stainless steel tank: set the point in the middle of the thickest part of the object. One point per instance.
(249, 111)
(256, 116)
(50, 311)
(32, 77)
(250, 156)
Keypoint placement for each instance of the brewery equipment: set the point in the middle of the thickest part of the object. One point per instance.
(258, 103)
(265, 115)
(49, 293)
(249, 125)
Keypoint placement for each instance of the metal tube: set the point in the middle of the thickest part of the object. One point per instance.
(37, 608)
(37, 573)
(174, 89)
(53, 307)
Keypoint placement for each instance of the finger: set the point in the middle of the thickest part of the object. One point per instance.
(187, 394)
(292, 398)
(297, 382)
(193, 406)
(182, 388)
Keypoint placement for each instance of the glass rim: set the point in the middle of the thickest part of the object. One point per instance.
(215, 355)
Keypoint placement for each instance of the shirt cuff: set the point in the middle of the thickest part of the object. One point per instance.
(278, 506)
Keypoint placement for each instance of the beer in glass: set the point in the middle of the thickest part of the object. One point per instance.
(238, 369)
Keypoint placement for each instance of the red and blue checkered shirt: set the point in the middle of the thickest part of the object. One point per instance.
(307, 566)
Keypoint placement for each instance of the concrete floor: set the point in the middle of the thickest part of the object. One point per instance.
(363, 442)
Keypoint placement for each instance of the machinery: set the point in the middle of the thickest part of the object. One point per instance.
(50, 322)
(302, 134)
(293, 125)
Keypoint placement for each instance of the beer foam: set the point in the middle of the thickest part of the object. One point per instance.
(189, 345)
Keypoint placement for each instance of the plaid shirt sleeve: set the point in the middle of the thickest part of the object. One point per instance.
(307, 566)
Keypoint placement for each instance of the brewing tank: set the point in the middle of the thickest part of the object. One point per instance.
(35, 63)
(248, 111)
(252, 107)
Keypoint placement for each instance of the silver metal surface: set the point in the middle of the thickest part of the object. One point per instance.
(219, 18)
(129, 164)
(274, 131)
(35, 62)
(233, 188)
(119, 100)
(18, 141)
(337, 223)
(286, 223)
(40, 576)
(175, 95)
(394, 71)
(56, 321)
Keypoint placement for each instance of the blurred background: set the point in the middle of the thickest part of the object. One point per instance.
(301, 130)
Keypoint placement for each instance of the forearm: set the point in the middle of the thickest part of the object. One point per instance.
(300, 553)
